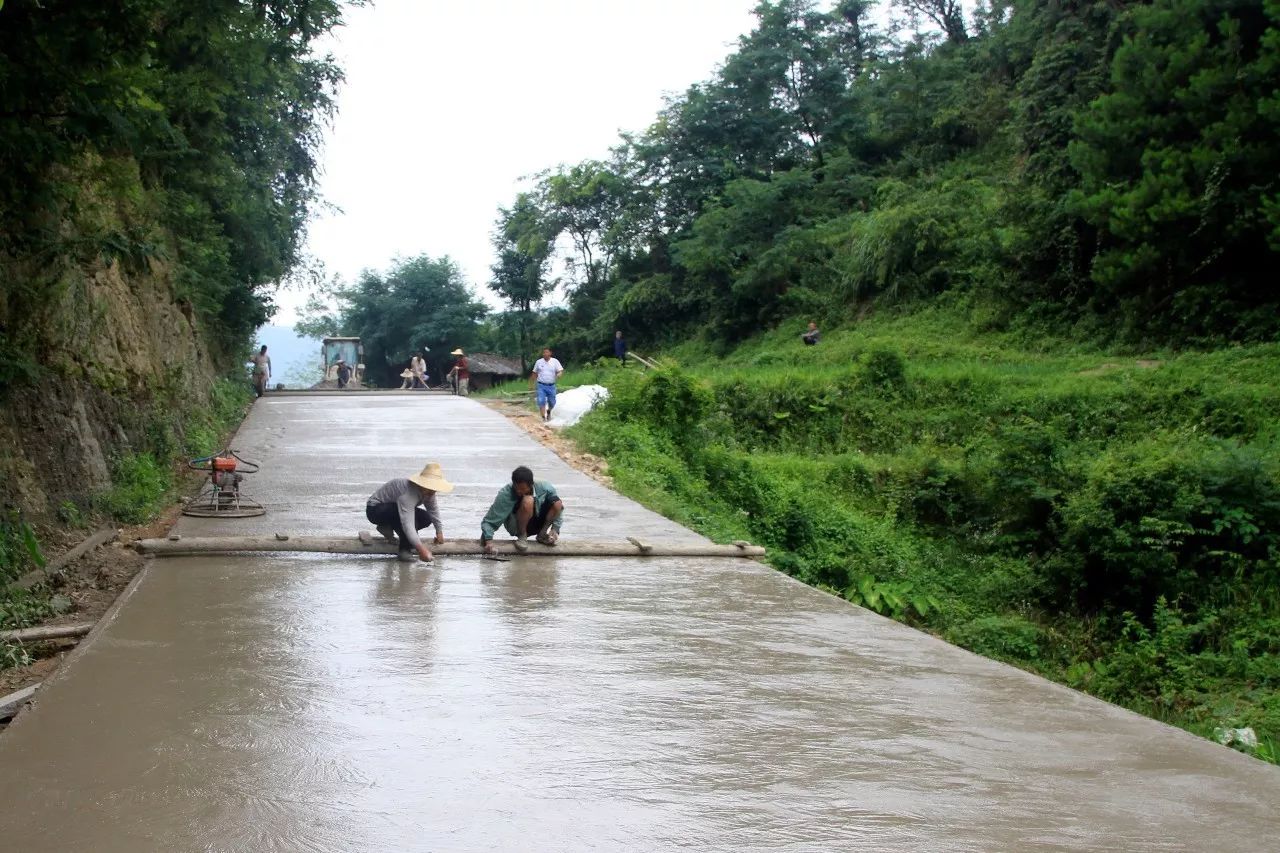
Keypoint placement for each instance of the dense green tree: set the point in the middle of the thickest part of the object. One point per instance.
(200, 120)
(524, 240)
(1178, 162)
(1020, 148)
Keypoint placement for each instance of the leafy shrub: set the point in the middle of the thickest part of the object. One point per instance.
(140, 485)
(670, 401)
(1018, 487)
(884, 369)
(19, 548)
(1010, 638)
(70, 514)
(1170, 519)
(920, 485)
(850, 473)
(898, 600)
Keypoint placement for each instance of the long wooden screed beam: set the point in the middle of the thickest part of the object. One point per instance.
(364, 543)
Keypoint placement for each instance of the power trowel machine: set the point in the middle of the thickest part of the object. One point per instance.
(221, 497)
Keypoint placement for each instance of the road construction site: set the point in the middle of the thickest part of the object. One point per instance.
(308, 700)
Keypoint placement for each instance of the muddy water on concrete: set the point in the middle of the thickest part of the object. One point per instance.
(338, 703)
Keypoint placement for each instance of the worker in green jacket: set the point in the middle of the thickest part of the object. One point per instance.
(524, 507)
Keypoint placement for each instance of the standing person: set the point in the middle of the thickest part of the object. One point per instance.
(344, 373)
(524, 507)
(461, 373)
(546, 371)
(402, 507)
(812, 336)
(261, 371)
(620, 348)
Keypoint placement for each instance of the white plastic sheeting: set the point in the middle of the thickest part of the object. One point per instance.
(571, 405)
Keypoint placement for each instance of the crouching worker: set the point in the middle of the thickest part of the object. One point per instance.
(524, 507)
(402, 507)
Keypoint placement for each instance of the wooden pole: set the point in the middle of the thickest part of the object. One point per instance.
(47, 632)
(458, 547)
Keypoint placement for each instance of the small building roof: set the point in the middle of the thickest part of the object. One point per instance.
(487, 362)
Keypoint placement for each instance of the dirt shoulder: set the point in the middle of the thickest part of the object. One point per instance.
(523, 415)
(91, 582)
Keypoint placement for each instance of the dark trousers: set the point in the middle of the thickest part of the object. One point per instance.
(538, 520)
(389, 513)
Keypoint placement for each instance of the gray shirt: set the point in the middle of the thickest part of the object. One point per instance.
(406, 496)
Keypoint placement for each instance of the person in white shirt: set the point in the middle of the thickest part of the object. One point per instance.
(418, 365)
(262, 371)
(546, 371)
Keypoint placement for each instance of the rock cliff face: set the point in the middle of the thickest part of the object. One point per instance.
(115, 348)
(99, 354)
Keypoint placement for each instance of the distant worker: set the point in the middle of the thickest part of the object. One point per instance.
(344, 373)
(812, 336)
(261, 371)
(402, 507)
(460, 373)
(525, 507)
(546, 371)
(406, 377)
(620, 348)
(418, 366)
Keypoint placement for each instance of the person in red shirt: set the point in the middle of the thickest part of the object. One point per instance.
(460, 373)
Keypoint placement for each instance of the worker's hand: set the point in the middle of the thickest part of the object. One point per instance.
(488, 547)
(425, 553)
(439, 540)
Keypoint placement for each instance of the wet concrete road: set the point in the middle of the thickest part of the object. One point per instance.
(357, 704)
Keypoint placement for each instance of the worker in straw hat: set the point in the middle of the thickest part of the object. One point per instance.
(402, 507)
(460, 372)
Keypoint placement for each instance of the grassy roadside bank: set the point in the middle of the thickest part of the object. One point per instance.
(1109, 521)
(145, 481)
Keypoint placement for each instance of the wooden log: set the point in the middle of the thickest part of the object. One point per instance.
(35, 576)
(10, 705)
(47, 632)
(458, 547)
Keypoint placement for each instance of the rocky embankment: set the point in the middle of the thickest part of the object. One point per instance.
(112, 349)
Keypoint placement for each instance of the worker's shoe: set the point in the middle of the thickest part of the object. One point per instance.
(407, 555)
(521, 544)
(388, 532)
(549, 536)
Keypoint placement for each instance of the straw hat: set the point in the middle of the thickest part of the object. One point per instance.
(406, 373)
(432, 478)
(458, 351)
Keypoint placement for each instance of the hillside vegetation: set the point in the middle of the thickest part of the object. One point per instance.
(1104, 171)
(157, 167)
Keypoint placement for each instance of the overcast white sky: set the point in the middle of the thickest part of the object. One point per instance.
(448, 104)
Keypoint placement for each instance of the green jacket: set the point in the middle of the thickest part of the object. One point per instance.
(504, 506)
